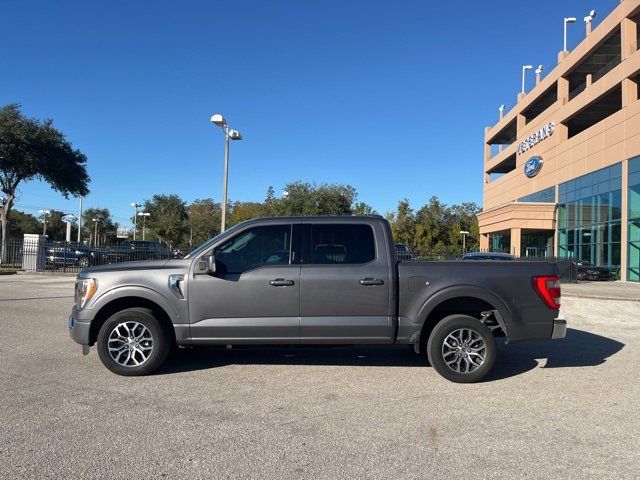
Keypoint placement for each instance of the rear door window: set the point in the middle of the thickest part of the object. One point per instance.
(341, 244)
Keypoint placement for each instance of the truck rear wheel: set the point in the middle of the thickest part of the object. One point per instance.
(133, 342)
(461, 349)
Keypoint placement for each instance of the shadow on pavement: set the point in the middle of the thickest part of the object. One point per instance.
(578, 349)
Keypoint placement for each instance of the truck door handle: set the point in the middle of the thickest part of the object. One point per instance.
(281, 282)
(371, 281)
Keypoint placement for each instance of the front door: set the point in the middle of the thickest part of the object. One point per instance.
(345, 285)
(254, 296)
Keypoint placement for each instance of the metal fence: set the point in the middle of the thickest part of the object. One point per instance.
(70, 257)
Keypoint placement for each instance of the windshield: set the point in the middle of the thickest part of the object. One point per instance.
(213, 240)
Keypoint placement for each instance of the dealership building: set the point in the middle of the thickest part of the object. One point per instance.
(562, 167)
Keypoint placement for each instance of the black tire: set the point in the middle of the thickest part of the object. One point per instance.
(160, 342)
(83, 262)
(455, 323)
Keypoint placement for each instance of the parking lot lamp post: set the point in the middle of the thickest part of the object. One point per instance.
(144, 216)
(464, 234)
(135, 218)
(524, 69)
(95, 230)
(80, 221)
(230, 134)
(44, 214)
(567, 20)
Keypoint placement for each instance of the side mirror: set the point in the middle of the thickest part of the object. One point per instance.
(211, 264)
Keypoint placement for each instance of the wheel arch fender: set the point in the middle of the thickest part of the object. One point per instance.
(123, 297)
(502, 312)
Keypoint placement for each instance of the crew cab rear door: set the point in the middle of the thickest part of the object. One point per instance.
(345, 283)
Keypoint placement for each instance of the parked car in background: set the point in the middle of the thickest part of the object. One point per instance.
(487, 256)
(69, 254)
(589, 271)
(132, 250)
(403, 252)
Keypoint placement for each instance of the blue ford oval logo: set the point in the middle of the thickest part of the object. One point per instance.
(533, 166)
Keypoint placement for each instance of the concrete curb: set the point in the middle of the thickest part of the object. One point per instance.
(623, 299)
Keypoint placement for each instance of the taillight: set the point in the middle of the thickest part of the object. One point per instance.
(548, 287)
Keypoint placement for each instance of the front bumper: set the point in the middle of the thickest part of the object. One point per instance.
(79, 328)
(559, 328)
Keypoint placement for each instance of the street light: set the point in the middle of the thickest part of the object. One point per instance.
(588, 19)
(44, 214)
(566, 21)
(218, 120)
(524, 69)
(135, 219)
(464, 234)
(95, 230)
(144, 216)
(539, 71)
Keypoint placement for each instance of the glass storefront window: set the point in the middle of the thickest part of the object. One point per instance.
(633, 253)
(589, 225)
(500, 241)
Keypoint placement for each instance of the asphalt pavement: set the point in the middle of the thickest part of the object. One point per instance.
(552, 409)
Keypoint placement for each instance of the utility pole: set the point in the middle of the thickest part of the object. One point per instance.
(144, 216)
(464, 234)
(44, 214)
(95, 235)
(135, 219)
(80, 222)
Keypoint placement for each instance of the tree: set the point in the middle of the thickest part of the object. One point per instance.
(56, 228)
(241, 211)
(403, 224)
(434, 230)
(168, 219)
(204, 220)
(21, 223)
(362, 208)
(270, 203)
(309, 199)
(107, 228)
(33, 149)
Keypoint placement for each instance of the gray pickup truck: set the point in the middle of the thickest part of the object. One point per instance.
(313, 281)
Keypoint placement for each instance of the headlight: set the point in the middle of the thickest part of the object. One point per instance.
(85, 289)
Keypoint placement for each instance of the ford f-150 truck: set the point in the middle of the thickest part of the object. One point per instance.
(313, 280)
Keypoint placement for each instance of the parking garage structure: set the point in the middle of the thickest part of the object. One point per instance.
(562, 167)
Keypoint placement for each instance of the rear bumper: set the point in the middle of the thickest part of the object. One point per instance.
(559, 328)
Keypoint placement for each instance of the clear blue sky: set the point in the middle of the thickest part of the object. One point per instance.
(391, 97)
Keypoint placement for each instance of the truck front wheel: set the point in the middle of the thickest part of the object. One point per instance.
(133, 342)
(461, 349)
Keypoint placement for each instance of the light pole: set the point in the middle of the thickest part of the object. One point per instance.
(80, 221)
(539, 71)
(588, 19)
(135, 219)
(144, 216)
(464, 234)
(95, 230)
(230, 134)
(524, 69)
(44, 214)
(566, 21)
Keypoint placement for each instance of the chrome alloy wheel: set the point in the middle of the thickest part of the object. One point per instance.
(130, 344)
(464, 350)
